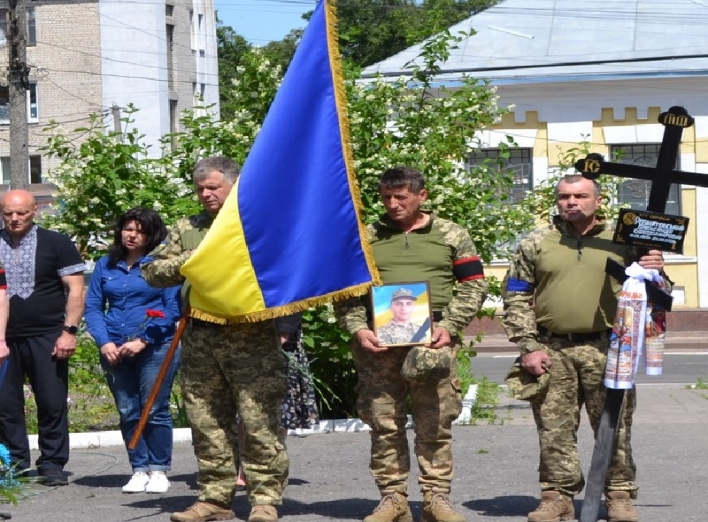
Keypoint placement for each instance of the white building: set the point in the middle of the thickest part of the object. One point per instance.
(600, 70)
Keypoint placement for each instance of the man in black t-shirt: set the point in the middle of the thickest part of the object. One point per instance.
(45, 285)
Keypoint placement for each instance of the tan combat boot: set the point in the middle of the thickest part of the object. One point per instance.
(554, 507)
(203, 512)
(263, 513)
(392, 508)
(619, 507)
(437, 508)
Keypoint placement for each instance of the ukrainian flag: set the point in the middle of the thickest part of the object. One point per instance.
(289, 235)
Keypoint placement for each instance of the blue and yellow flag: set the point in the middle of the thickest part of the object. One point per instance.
(289, 234)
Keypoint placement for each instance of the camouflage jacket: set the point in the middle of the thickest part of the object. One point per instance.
(397, 333)
(557, 281)
(163, 268)
(441, 253)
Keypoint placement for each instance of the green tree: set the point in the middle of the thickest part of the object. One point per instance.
(231, 48)
(280, 52)
(373, 30)
(410, 122)
(404, 122)
(104, 175)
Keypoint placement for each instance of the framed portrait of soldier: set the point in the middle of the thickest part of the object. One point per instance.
(402, 314)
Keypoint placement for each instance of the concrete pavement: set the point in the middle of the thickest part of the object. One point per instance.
(496, 471)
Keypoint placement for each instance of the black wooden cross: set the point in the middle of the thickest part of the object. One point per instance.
(661, 177)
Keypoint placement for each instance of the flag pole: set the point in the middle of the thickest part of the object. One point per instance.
(160, 378)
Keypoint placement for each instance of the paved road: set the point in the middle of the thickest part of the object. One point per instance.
(496, 471)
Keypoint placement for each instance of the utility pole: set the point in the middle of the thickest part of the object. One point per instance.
(18, 85)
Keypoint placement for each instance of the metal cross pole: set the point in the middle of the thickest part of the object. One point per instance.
(661, 177)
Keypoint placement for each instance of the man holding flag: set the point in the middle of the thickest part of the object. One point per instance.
(239, 280)
(226, 370)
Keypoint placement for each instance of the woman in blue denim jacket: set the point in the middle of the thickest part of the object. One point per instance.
(133, 324)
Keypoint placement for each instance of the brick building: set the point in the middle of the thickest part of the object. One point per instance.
(87, 56)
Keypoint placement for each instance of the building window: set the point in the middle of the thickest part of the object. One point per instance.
(192, 34)
(198, 93)
(519, 162)
(32, 105)
(635, 192)
(31, 26)
(170, 32)
(35, 169)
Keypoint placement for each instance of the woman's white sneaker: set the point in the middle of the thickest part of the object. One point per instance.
(158, 483)
(137, 482)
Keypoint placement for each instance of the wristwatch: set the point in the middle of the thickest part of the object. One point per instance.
(70, 328)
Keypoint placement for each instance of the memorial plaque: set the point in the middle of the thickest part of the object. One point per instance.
(651, 230)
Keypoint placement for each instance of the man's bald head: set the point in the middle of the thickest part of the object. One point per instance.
(18, 196)
(18, 211)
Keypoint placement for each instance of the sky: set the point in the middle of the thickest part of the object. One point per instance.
(261, 21)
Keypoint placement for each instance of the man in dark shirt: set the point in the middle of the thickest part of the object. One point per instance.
(46, 290)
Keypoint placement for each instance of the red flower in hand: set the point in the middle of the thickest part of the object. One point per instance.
(149, 316)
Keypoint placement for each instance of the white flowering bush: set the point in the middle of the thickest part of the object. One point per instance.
(408, 121)
(105, 175)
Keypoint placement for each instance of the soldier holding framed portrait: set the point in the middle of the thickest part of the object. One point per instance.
(411, 244)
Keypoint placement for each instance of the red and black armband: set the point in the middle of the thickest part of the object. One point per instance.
(468, 269)
(3, 279)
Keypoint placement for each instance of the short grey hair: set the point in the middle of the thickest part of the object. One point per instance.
(228, 167)
(574, 178)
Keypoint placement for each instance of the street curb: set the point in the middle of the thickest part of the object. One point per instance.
(101, 439)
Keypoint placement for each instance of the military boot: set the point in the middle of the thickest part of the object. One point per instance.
(437, 508)
(392, 508)
(554, 507)
(619, 507)
(203, 512)
(263, 513)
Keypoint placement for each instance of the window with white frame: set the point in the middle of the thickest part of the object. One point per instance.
(35, 169)
(31, 26)
(32, 106)
(635, 192)
(519, 161)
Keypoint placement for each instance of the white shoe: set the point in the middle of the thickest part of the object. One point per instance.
(137, 482)
(158, 483)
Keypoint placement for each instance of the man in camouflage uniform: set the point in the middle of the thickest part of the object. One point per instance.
(410, 244)
(227, 369)
(560, 305)
(400, 329)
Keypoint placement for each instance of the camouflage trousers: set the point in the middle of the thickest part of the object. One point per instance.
(576, 378)
(230, 370)
(381, 403)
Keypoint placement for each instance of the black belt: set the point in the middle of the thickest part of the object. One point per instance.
(579, 337)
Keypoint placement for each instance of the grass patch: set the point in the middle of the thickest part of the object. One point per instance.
(700, 385)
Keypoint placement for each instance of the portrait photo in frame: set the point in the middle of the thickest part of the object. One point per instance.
(402, 314)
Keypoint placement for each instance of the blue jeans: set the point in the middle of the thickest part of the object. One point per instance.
(131, 382)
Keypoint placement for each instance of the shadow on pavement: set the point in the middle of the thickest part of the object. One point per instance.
(510, 506)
